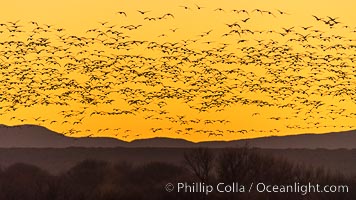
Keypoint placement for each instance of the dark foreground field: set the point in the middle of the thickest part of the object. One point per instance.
(57, 160)
(120, 173)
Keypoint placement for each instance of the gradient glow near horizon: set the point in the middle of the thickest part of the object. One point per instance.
(314, 94)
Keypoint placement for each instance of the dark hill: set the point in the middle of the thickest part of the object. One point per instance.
(32, 136)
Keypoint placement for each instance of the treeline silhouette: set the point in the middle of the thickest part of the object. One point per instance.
(100, 180)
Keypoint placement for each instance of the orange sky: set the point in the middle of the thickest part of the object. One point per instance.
(176, 117)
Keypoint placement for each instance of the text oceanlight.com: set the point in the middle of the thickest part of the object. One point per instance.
(236, 187)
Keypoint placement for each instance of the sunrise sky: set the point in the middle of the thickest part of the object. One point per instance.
(320, 88)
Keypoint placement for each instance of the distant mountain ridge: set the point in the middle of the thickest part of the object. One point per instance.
(32, 136)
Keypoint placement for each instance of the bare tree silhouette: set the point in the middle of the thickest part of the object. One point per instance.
(201, 162)
(234, 164)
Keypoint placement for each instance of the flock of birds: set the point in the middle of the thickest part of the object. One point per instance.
(305, 71)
